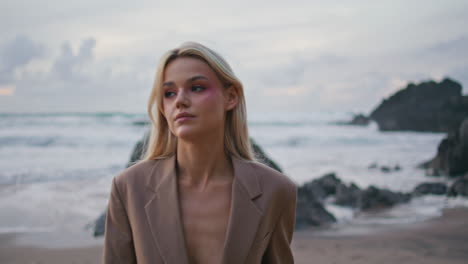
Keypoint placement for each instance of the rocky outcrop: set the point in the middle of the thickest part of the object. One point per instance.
(99, 225)
(435, 107)
(262, 157)
(322, 187)
(459, 187)
(385, 168)
(428, 106)
(310, 211)
(138, 150)
(436, 188)
(452, 154)
(350, 195)
(310, 196)
(375, 198)
(358, 120)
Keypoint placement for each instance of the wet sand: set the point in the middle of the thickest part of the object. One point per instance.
(439, 240)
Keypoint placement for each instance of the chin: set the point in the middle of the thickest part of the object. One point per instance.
(188, 134)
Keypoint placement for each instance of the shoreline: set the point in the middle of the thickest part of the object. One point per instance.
(442, 239)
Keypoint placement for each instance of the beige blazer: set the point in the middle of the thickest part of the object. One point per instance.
(143, 222)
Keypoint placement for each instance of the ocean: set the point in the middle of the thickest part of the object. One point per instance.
(56, 169)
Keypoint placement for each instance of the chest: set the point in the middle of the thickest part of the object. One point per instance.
(205, 217)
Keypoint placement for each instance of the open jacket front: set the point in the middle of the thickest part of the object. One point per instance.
(144, 224)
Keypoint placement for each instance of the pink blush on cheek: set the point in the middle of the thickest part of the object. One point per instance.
(210, 94)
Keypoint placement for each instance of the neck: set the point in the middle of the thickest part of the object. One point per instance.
(202, 163)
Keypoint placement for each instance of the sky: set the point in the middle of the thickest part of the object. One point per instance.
(101, 56)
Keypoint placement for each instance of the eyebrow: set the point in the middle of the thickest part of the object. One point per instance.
(191, 79)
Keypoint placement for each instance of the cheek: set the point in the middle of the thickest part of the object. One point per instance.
(212, 99)
(167, 107)
(165, 115)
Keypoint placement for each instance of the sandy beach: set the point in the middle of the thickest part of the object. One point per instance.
(439, 240)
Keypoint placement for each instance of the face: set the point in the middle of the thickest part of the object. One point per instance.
(194, 99)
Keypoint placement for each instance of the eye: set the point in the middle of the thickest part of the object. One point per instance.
(197, 88)
(168, 94)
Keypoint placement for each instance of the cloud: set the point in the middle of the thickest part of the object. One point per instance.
(17, 53)
(68, 65)
(312, 55)
(73, 79)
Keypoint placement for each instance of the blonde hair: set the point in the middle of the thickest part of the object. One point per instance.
(162, 143)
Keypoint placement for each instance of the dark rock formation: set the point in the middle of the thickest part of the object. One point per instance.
(368, 199)
(428, 106)
(348, 195)
(358, 120)
(310, 212)
(375, 198)
(385, 168)
(99, 225)
(322, 187)
(436, 188)
(452, 154)
(138, 150)
(312, 194)
(459, 187)
(262, 157)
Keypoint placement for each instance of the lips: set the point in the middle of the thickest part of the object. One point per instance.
(182, 115)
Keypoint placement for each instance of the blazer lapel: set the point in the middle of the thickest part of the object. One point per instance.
(163, 215)
(244, 216)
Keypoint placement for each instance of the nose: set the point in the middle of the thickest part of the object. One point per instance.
(182, 100)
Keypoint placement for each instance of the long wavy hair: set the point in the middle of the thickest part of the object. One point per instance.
(161, 142)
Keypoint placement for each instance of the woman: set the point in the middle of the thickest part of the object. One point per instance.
(198, 196)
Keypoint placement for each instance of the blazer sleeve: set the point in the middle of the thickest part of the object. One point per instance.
(118, 240)
(279, 248)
